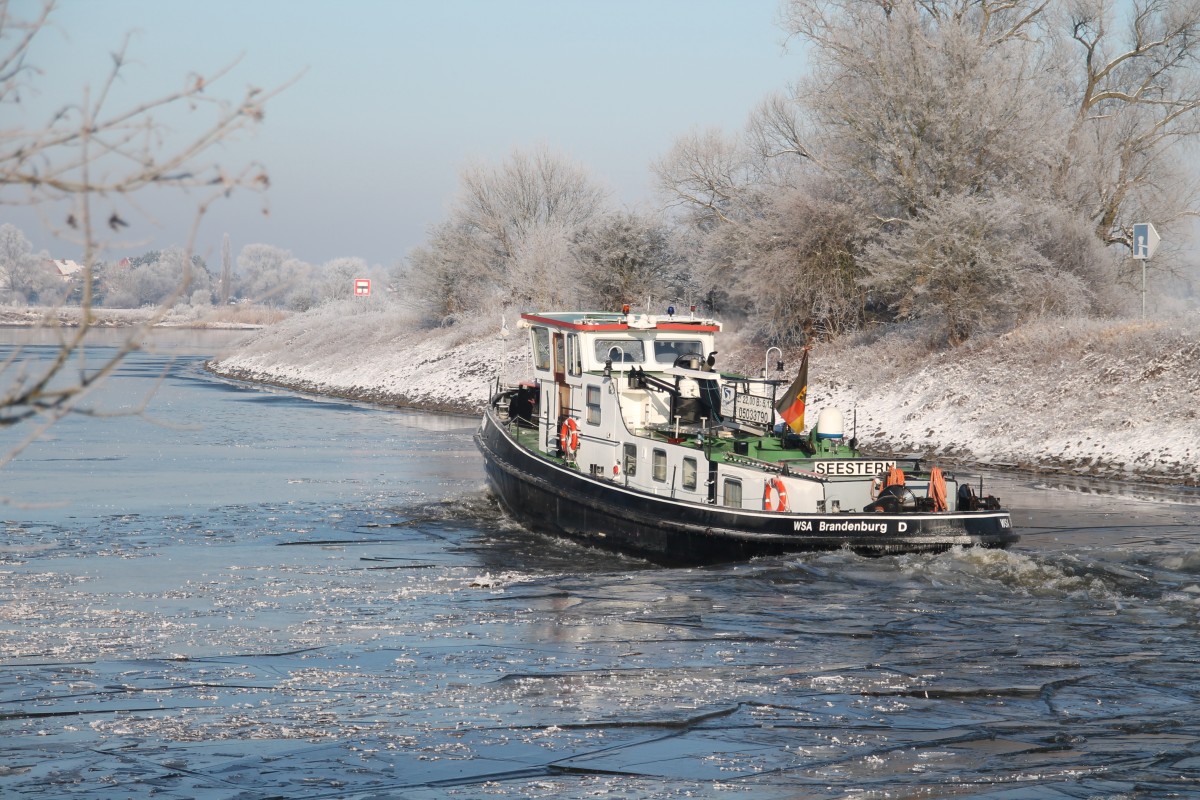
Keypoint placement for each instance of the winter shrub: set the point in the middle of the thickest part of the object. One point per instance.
(627, 257)
(972, 263)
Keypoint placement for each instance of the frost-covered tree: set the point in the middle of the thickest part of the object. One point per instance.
(272, 276)
(1134, 88)
(626, 257)
(481, 255)
(527, 190)
(1086, 102)
(269, 275)
(777, 137)
(1069, 115)
(157, 278)
(543, 271)
(971, 263)
(709, 175)
(728, 191)
(796, 266)
(225, 285)
(334, 280)
(25, 277)
(450, 274)
(911, 100)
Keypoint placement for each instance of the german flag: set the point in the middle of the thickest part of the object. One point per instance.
(791, 405)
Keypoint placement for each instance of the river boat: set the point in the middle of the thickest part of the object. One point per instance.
(625, 436)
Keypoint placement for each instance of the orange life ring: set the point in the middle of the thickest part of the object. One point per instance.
(568, 437)
(777, 485)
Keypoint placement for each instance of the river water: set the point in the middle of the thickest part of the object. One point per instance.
(236, 592)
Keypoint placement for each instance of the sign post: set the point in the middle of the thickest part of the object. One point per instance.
(362, 287)
(1145, 242)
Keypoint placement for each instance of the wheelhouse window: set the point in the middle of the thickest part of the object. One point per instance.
(560, 356)
(593, 405)
(658, 465)
(541, 349)
(689, 474)
(621, 351)
(630, 465)
(574, 360)
(732, 494)
(667, 350)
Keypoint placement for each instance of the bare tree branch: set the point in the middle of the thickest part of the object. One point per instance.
(92, 151)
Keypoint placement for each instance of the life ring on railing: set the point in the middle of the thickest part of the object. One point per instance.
(776, 485)
(568, 437)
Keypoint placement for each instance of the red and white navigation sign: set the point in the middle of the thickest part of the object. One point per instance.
(362, 287)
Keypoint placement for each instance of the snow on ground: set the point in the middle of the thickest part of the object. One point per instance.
(185, 317)
(375, 354)
(1095, 398)
(1098, 398)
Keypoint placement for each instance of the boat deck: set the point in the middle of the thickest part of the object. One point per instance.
(764, 451)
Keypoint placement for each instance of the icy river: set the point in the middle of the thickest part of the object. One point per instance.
(238, 592)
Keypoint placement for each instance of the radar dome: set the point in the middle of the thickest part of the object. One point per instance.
(830, 424)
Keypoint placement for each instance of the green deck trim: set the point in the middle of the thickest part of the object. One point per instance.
(766, 449)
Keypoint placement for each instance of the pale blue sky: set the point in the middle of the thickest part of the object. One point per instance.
(364, 151)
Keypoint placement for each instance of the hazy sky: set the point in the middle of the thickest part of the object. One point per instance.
(397, 97)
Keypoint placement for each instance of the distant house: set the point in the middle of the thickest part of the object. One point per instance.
(66, 268)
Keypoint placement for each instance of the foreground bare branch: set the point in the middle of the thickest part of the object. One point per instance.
(93, 150)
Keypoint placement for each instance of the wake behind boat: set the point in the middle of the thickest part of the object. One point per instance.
(626, 437)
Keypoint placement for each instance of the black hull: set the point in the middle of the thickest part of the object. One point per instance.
(548, 496)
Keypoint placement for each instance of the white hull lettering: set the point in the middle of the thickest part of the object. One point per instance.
(849, 526)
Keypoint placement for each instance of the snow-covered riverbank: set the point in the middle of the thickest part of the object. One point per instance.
(1112, 399)
(373, 356)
